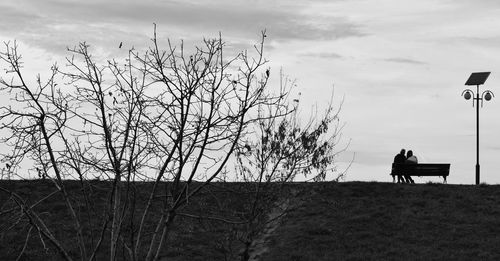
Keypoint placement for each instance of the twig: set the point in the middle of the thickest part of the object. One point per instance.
(25, 244)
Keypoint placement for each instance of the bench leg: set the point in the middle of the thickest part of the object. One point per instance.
(445, 182)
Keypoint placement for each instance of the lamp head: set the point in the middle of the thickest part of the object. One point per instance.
(467, 95)
(488, 96)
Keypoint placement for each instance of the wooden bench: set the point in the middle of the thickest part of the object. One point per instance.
(425, 169)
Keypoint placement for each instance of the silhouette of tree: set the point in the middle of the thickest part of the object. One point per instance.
(278, 150)
(163, 115)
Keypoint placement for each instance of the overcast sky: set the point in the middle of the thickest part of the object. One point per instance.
(400, 64)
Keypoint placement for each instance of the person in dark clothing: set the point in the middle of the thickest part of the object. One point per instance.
(400, 159)
(410, 159)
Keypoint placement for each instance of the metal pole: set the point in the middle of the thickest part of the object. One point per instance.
(477, 136)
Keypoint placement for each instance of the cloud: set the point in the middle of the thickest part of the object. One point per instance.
(473, 5)
(477, 42)
(14, 18)
(404, 60)
(325, 55)
(283, 22)
(54, 23)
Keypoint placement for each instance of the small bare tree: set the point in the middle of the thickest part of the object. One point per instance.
(280, 150)
(163, 116)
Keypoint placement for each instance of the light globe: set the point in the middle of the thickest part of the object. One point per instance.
(467, 95)
(487, 96)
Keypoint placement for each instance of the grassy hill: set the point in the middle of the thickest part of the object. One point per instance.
(383, 221)
(325, 221)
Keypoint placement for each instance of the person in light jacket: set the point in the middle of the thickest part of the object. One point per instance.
(410, 159)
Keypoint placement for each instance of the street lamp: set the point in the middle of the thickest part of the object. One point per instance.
(477, 79)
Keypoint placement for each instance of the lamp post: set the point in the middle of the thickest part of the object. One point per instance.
(477, 79)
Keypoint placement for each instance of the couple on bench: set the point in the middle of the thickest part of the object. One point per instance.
(402, 159)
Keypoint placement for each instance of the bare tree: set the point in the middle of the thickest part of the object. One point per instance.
(279, 150)
(163, 116)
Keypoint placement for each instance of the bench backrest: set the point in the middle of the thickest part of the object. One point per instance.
(422, 169)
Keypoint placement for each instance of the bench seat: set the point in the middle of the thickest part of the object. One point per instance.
(422, 169)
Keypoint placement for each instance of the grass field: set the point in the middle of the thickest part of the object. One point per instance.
(327, 221)
(383, 221)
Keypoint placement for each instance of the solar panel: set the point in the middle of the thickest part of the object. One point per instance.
(477, 78)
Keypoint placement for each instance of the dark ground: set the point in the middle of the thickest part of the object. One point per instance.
(328, 221)
(384, 221)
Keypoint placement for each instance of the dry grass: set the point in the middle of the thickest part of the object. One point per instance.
(191, 239)
(382, 221)
(333, 221)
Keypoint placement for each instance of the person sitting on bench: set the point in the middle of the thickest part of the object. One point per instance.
(400, 159)
(410, 159)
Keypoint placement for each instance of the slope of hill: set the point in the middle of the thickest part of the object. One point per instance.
(325, 221)
(383, 221)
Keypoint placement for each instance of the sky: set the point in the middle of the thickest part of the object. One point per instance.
(400, 65)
